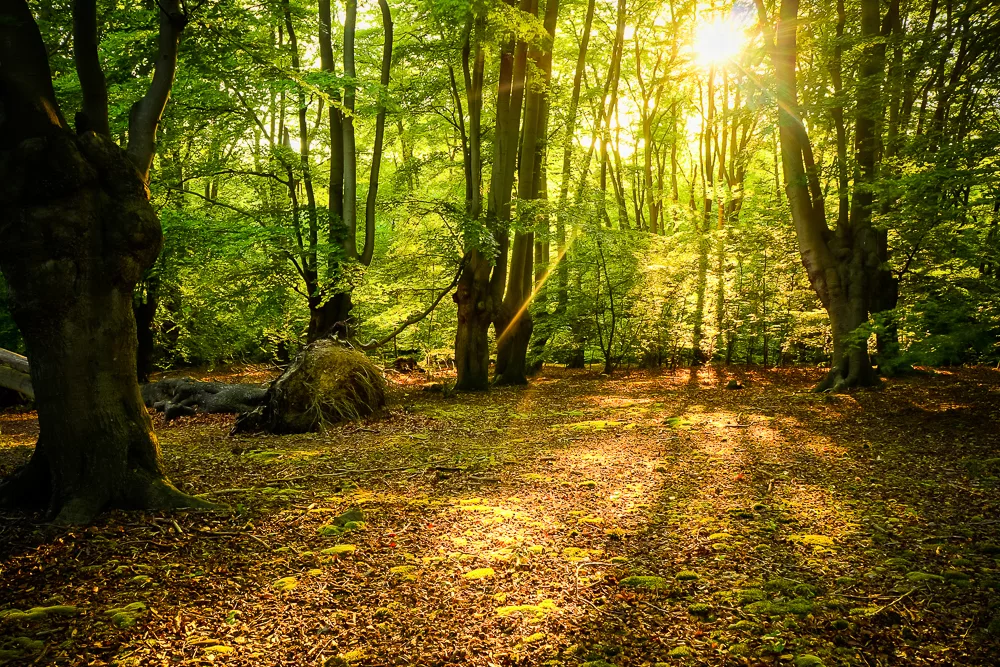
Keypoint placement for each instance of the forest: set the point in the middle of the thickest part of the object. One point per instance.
(499, 332)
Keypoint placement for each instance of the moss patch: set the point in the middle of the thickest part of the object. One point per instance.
(540, 610)
(479, 573)
(285, 584)
(644, 582)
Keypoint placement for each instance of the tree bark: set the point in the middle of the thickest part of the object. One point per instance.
(515, 321)
(332, 318)
(481, 287)
(76, 233)
(841, 265)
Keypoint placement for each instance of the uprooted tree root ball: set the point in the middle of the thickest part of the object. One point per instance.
(326, 384)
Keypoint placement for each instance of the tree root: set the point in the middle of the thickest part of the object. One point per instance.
(29, 488)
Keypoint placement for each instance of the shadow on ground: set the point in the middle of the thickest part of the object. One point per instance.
(639, 519)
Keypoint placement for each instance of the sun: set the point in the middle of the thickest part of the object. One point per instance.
(718, 41)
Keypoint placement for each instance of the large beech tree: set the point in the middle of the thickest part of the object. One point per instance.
(844, 264)
(76, 233)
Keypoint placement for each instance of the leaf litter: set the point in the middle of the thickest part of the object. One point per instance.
(645, 519)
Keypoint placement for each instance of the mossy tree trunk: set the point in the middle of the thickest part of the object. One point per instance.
(76, 233)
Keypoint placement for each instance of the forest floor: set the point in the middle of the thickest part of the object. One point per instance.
(643, 519)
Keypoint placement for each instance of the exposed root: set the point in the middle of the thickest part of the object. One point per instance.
(29, 489)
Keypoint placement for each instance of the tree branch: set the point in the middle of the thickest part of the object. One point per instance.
(416, 318)
(146, 113)
(88, 68)
(26, 94)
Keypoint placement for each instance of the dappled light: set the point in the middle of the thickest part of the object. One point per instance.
(499, 333)
(537, 525)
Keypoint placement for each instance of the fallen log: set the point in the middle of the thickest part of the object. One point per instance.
(14, 373)
(178, 397)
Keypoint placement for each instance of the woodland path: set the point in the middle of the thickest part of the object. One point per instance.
(640, 519)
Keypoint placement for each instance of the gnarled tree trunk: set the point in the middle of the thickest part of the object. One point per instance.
(76, 233)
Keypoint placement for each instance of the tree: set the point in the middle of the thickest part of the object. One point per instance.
(843, 265)
(480, 289)
(76, 233)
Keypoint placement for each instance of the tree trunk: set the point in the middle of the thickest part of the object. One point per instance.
(481, 287)
(472, 347)
(72, 251)
(842, 265)
(514, 319)
(76, 233)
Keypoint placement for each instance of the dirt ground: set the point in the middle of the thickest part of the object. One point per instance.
(643, 519)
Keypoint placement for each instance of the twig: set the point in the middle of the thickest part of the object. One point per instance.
(598, 609)
(232, 533)
(653, 606)
(883, 608)
(220, 492)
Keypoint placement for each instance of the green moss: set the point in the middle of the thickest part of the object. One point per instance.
(263, 456)
(812, 540)
(597, 663)
(540, 610)
(807, 660)
(285, 584)
(27, 644)
(846, 581)
(537, 637)
(686, 575)
(339, 550)
(748, 595)
(479, 573)
(798, 606)
(127, 616)
(898, 563)
(955, 575)
(994, 627)
(38, 613)
(923, 577)
(744, 626)
(681, 652)
(699, 609)
(575, 554)
(644, 582)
